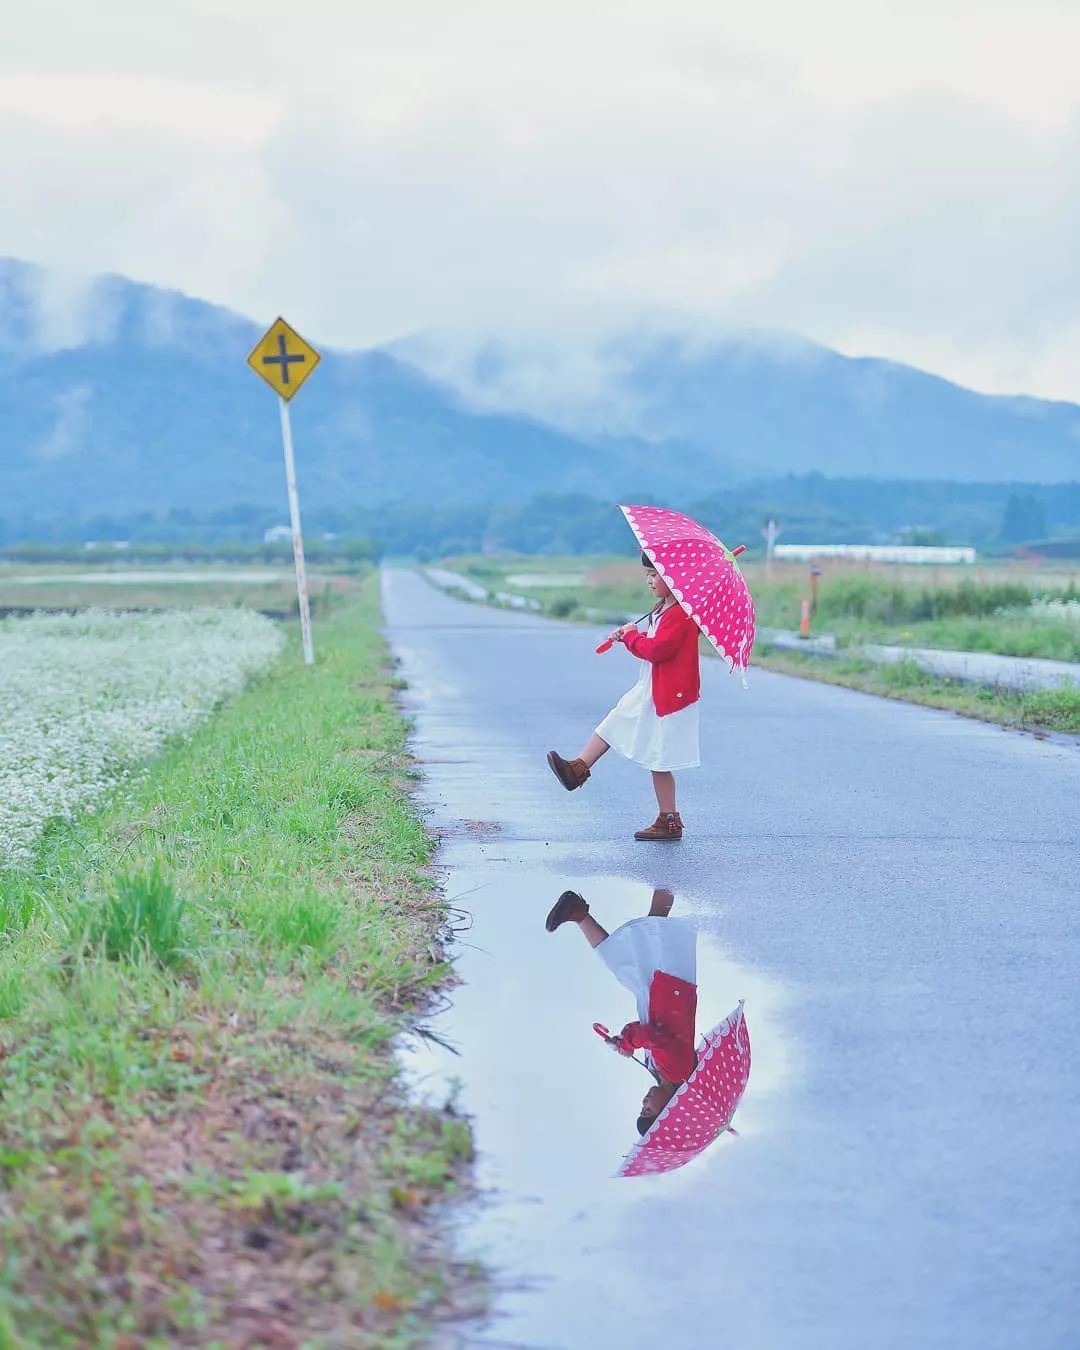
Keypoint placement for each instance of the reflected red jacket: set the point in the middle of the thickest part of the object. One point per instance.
(674, 653)
(669, 1032)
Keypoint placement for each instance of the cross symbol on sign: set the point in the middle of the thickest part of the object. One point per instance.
(282, 359)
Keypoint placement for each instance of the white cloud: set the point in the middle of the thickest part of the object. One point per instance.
(896, 177)
(66, 436)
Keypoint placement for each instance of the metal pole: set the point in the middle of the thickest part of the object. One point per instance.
(770, 532)
(297, 536)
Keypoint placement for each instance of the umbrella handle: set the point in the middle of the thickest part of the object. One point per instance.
(608, 643)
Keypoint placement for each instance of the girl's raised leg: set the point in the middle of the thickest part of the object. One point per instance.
(592, 930)
(593, 748)
(664, 787)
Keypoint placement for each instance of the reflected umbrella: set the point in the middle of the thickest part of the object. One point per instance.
(701, 1109)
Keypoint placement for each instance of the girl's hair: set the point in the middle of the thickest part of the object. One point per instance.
(648, 563)
(643, 1123)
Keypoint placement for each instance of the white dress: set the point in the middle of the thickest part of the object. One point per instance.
(659, 743)
(638, 949)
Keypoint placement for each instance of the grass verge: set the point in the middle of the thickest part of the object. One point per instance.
(1039, 711)
(203, 1136)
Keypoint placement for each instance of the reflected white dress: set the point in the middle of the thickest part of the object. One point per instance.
(633, 728)
(637, 950)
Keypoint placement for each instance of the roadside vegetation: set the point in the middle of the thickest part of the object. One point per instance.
(204, 1139)
(1039, 711)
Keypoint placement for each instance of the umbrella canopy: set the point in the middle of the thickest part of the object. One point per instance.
(701, 1109)
(703, 575)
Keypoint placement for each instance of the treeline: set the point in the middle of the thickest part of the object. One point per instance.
(808, 508)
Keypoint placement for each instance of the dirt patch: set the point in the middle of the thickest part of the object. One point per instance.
(481, 828)
(267, 1201)
(614, 574)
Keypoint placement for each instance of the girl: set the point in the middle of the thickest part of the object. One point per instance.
(655, 724)
(656, 959)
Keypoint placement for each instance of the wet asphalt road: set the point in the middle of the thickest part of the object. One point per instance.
(893, 890)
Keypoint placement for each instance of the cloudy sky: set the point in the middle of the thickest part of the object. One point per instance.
(897, 177)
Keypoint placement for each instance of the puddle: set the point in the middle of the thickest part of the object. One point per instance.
(555, 1109)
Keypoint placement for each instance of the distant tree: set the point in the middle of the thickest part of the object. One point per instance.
(924, 538)
(105, 527)
(1024, 519)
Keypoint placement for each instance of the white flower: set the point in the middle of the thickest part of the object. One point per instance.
(1054, 611)
(84, 698)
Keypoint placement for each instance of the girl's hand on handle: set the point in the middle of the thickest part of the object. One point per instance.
(613, 1041)
(617, 636)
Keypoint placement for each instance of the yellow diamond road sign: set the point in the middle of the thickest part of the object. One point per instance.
(283, 359)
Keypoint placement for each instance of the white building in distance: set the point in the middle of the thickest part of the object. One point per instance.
(887, 553)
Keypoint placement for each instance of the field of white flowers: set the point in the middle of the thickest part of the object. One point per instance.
(1054, 611)
(85, 698)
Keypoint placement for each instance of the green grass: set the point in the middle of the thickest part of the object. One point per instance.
(1040, 711)
(141, 920)
(203, 1134)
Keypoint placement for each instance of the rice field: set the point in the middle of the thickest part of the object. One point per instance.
(85, 698)
(168, 586)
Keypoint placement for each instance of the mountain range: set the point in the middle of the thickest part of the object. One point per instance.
(149, 405)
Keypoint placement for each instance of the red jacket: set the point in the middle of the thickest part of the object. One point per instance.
(674, 653)
(669, 1032)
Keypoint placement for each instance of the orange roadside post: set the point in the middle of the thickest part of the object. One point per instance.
(804, 622)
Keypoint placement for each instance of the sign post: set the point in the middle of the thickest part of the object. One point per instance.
(770, 530)
(277, 351)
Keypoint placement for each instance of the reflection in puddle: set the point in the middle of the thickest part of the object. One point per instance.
(554, 1110)
(696, 1088)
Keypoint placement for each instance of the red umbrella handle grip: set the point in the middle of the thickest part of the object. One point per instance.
(605, 646)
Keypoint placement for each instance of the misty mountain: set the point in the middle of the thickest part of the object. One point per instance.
(144, 401)
(122, 397)
(754, 404)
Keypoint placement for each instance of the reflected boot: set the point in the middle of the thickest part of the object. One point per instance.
(667, 825)
(569, 908)
(571, 773)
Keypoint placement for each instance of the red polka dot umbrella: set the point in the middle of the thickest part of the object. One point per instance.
(701, 1109)
(703, 575)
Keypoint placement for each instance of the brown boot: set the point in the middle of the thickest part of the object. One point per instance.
(667, 825)
(569, 908)
(571, 773)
